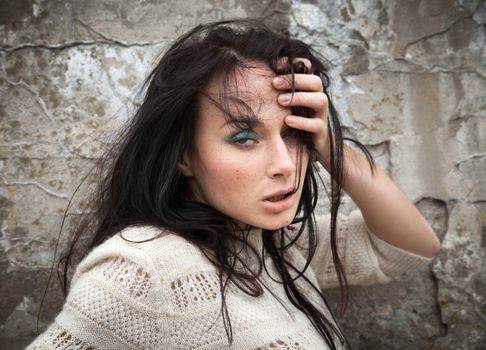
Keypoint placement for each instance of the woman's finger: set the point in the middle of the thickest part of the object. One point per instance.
(312, 125)
(306, 82)
(317, 127)
(313, 100)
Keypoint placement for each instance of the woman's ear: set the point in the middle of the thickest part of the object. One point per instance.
(184, 166)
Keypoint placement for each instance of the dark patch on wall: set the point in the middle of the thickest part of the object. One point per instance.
(19, 283)
(5, 205)
(14, 11)
(437, 214)
(358, 63)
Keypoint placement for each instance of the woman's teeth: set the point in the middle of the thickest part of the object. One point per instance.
(276, 198)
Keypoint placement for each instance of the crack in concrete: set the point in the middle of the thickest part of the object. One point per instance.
(79, 155)
(76, 43)
(27, 143)
(426, 71)
(15, 263)
(25, 240)
(35, 184)
(428, 36)
(102, 35)
(65, 148)
(470, 157)
(51, 46)
(477, 310)
(34, 93)
(17, 156)
(61, 46)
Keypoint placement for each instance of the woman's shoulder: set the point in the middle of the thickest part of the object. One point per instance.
(145, 239)
(125, 291)
(154, 241)
(145, 247)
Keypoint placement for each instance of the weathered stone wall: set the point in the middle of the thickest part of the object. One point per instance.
(409, 78)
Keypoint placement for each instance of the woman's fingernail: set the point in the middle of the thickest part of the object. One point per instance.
(278, 80)
(284, 98)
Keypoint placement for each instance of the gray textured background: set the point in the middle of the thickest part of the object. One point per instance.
(409, 78)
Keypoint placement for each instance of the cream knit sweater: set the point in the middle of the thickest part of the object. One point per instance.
(164, 293)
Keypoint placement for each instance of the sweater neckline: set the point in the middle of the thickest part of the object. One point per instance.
(255, 237)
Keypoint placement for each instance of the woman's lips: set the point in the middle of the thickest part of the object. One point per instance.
(279, 202)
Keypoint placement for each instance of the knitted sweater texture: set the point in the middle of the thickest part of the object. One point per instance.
(165, 294)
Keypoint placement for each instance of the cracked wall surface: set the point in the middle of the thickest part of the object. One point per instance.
(408, 78)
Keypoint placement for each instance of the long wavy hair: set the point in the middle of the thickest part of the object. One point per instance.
(140, 182)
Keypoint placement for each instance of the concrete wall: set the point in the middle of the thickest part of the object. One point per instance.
(409, 81)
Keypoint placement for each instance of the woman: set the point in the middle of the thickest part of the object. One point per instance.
(202, 233)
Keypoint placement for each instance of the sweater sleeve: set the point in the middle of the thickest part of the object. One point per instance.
(113, 303)
(367, 259)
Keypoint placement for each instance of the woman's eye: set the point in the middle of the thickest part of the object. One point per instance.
(243, 137)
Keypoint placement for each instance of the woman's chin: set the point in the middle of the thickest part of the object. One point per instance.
(278, 224)
(268, 222)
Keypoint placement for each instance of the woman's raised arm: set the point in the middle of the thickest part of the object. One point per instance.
(388, 213)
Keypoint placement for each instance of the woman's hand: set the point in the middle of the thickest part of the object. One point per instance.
(388, 213)
(310, 95)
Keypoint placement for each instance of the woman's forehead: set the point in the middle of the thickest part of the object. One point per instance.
(251, 83)
(244, 96)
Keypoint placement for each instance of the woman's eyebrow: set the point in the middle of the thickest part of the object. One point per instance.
(243, 123)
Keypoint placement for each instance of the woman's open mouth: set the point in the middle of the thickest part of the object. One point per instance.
(279, 202)
(280, 197)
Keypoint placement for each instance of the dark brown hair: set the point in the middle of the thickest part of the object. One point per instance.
(141, 184)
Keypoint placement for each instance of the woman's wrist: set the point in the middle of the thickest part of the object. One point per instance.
(325, 154)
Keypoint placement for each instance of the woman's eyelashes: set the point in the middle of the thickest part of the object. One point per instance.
(244, 137)
(248, 137)
(291, 133)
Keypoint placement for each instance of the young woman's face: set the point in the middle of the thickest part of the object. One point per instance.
(248, 173)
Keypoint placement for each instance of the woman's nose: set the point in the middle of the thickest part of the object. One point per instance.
(281, 160)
